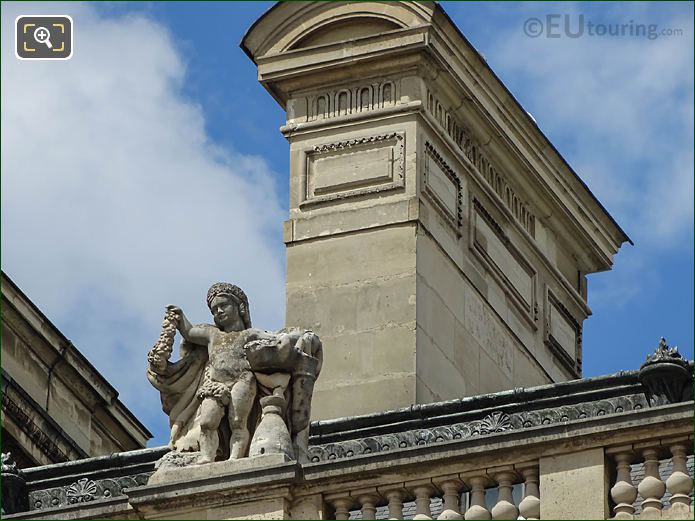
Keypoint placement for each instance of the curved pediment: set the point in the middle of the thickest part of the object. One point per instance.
(289, 26)
(346, 29)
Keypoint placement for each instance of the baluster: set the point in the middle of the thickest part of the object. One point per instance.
(679, 483)
(623, 492)
(342, 506)
(395, 498)
(505, 507)
(477, 510)
(651, 488)
(368, 502)
(530, 506)
(451, 498)
(423, 493)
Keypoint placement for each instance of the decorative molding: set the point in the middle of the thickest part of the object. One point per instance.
(35, 433)
(493, 423)
(350, 100)
(490, 424)
(82, 491)
(350, 143)
(358, 167)
(85, 490)
(573, 364)
(453, 215)
(492, 175)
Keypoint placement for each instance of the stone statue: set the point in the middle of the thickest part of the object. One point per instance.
(235, 391)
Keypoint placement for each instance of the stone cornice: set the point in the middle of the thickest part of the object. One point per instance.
(36, 424)
(427, 30)
(442, 458)
(598, 411)
(71, 366)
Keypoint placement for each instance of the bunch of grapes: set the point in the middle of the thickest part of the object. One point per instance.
(161, 352)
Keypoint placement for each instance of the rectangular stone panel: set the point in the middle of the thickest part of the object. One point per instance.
(562, 330)
(442, 186)
(563, 333)
(352, 167)
(341, 171)
(487, 329)
(516, 273)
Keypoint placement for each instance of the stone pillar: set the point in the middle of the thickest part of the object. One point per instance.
(415, 244)
(574, 485)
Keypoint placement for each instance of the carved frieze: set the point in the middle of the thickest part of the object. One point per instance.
(82, 491)
(350, 100)
(492, 175)
(85, 490)
(493, 423)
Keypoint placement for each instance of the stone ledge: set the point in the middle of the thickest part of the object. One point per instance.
(116, 508)
(527, 444)
(533, 412)
(224, 487)
(218, 469)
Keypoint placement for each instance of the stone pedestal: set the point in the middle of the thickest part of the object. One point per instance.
(191, 473)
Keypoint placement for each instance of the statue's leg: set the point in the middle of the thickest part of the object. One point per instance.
(211, 413)
(243, 395)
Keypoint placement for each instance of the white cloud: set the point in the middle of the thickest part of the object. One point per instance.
(620, 108)
(115, 202)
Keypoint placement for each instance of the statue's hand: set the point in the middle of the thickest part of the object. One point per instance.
(174, 309)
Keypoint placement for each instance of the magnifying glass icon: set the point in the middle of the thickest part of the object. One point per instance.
(43, 35)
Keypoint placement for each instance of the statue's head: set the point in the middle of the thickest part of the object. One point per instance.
(227, 303)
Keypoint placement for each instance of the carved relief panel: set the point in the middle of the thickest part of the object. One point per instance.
(353, 167)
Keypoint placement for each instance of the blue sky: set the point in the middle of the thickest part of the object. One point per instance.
(150, 165)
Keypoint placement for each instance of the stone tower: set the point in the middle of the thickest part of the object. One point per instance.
(437, 241)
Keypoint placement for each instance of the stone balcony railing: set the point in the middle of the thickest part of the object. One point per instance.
(596, 448)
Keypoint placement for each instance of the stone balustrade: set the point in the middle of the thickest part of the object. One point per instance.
(662, 488)
(589, 449)
(453, 496)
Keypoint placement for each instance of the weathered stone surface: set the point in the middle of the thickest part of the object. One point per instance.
(381, 145)
(448, 437)
(235, 390)
(13, 486)
(666, 376)
(190, 472)
(574, 485)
